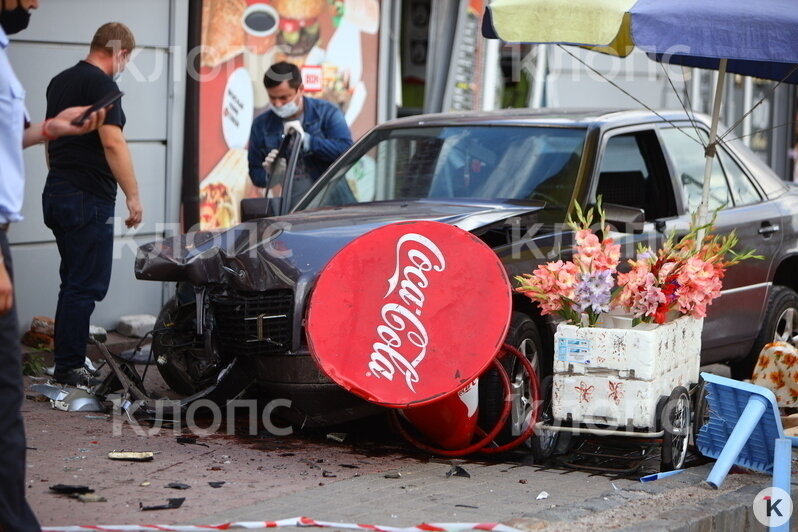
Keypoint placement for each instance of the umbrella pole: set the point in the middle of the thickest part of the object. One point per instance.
(703, 214)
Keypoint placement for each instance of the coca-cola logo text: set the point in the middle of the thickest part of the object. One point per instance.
(403, 338)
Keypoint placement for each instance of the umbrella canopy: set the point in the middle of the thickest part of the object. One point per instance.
(749, 37)
(758, 37)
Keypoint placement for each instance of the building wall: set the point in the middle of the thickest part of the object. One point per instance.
(154, 87)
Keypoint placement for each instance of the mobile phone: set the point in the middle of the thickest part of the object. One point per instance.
(103, 102)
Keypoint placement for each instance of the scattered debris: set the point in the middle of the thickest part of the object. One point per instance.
(90, 497)
(328, 474)
(145, 483)
(466, 506)
(216, 483)
(178, 486)
(144, 456)
(36, 398)
(67, 489)
(172, 504)
(98, 334)
(79, 400)
(337, 436)
(542, 495)
(616, 488)
(310, 463)
(191, 440)
(287, 454)
(215, 468)
(522, 481)
(657, 476)
(393, 474)
(89, 416)
(349, 466)
(457, 471)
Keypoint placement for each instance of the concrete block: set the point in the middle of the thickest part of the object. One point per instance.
(98, 333)
(136, 325)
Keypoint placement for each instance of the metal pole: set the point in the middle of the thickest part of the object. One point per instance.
(539, 83)
(491, 77)
(782, 472)
(710, 152)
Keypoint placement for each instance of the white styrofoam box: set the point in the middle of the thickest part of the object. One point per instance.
(596, 399)
(642, 352)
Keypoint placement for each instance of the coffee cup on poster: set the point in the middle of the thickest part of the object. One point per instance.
(261, 22)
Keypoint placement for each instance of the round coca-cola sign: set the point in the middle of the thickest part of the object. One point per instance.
(409, 313)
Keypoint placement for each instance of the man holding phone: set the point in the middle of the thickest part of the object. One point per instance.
(16, 133)
(80, 193)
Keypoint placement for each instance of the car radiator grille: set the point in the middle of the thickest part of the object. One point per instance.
(253, 323)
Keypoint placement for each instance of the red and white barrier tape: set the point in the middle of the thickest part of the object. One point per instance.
(294, 521)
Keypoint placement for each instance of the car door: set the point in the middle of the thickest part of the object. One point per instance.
(735, 317)
(631, 171)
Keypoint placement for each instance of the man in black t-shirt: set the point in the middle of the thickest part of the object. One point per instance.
(80, 192)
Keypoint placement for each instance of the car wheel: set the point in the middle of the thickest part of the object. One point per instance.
(523, 335)
(779, 325)
(186, 364)
(676, 425)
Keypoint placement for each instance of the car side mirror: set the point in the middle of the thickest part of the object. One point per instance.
(625, 219)
(254, 208)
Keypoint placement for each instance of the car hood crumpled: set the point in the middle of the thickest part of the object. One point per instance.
(277, 252)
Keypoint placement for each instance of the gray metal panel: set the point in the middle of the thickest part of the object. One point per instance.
(145, 84)
(150, 164)
(36, 286)
(149, 160)
(75, 21)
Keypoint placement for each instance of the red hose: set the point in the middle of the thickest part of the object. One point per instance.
(481, 445)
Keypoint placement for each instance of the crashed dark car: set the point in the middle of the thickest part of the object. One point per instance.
(510, 178)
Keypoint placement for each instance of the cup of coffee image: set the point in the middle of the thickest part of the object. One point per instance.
(261, 22)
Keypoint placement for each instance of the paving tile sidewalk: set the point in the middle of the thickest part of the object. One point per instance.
(508, 493)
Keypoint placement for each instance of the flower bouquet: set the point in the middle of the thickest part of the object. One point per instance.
(583, 285)
(681, 278)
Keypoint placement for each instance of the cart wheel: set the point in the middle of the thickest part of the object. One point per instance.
(676, 424)
(700, 409)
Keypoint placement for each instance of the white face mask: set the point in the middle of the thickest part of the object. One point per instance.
(117, 76)
(289, 109)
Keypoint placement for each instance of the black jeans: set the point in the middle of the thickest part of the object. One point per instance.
(15, 514)
(84, 232)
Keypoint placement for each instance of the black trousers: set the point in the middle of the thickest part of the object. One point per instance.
(15, 514)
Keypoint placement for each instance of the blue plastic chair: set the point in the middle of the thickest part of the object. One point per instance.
(744, 428)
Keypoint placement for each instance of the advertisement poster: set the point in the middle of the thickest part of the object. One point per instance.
(334, 42)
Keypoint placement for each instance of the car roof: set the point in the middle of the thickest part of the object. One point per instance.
(564, 117)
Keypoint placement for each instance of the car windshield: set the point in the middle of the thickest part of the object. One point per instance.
(456, 162)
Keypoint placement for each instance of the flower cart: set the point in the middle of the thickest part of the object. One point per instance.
(627, 355)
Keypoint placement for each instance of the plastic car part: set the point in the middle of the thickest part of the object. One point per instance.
(484, 444)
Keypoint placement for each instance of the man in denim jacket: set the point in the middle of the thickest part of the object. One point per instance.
(325, 133)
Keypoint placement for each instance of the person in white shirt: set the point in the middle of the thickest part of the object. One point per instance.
(16, 133)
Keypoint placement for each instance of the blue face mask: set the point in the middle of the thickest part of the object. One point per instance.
(14, 20)
(288, 110)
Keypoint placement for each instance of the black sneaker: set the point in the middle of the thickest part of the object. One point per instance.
(77, 377)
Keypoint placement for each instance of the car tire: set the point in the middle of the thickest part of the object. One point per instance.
(780, 324)
(178, 352)
(525, 336)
